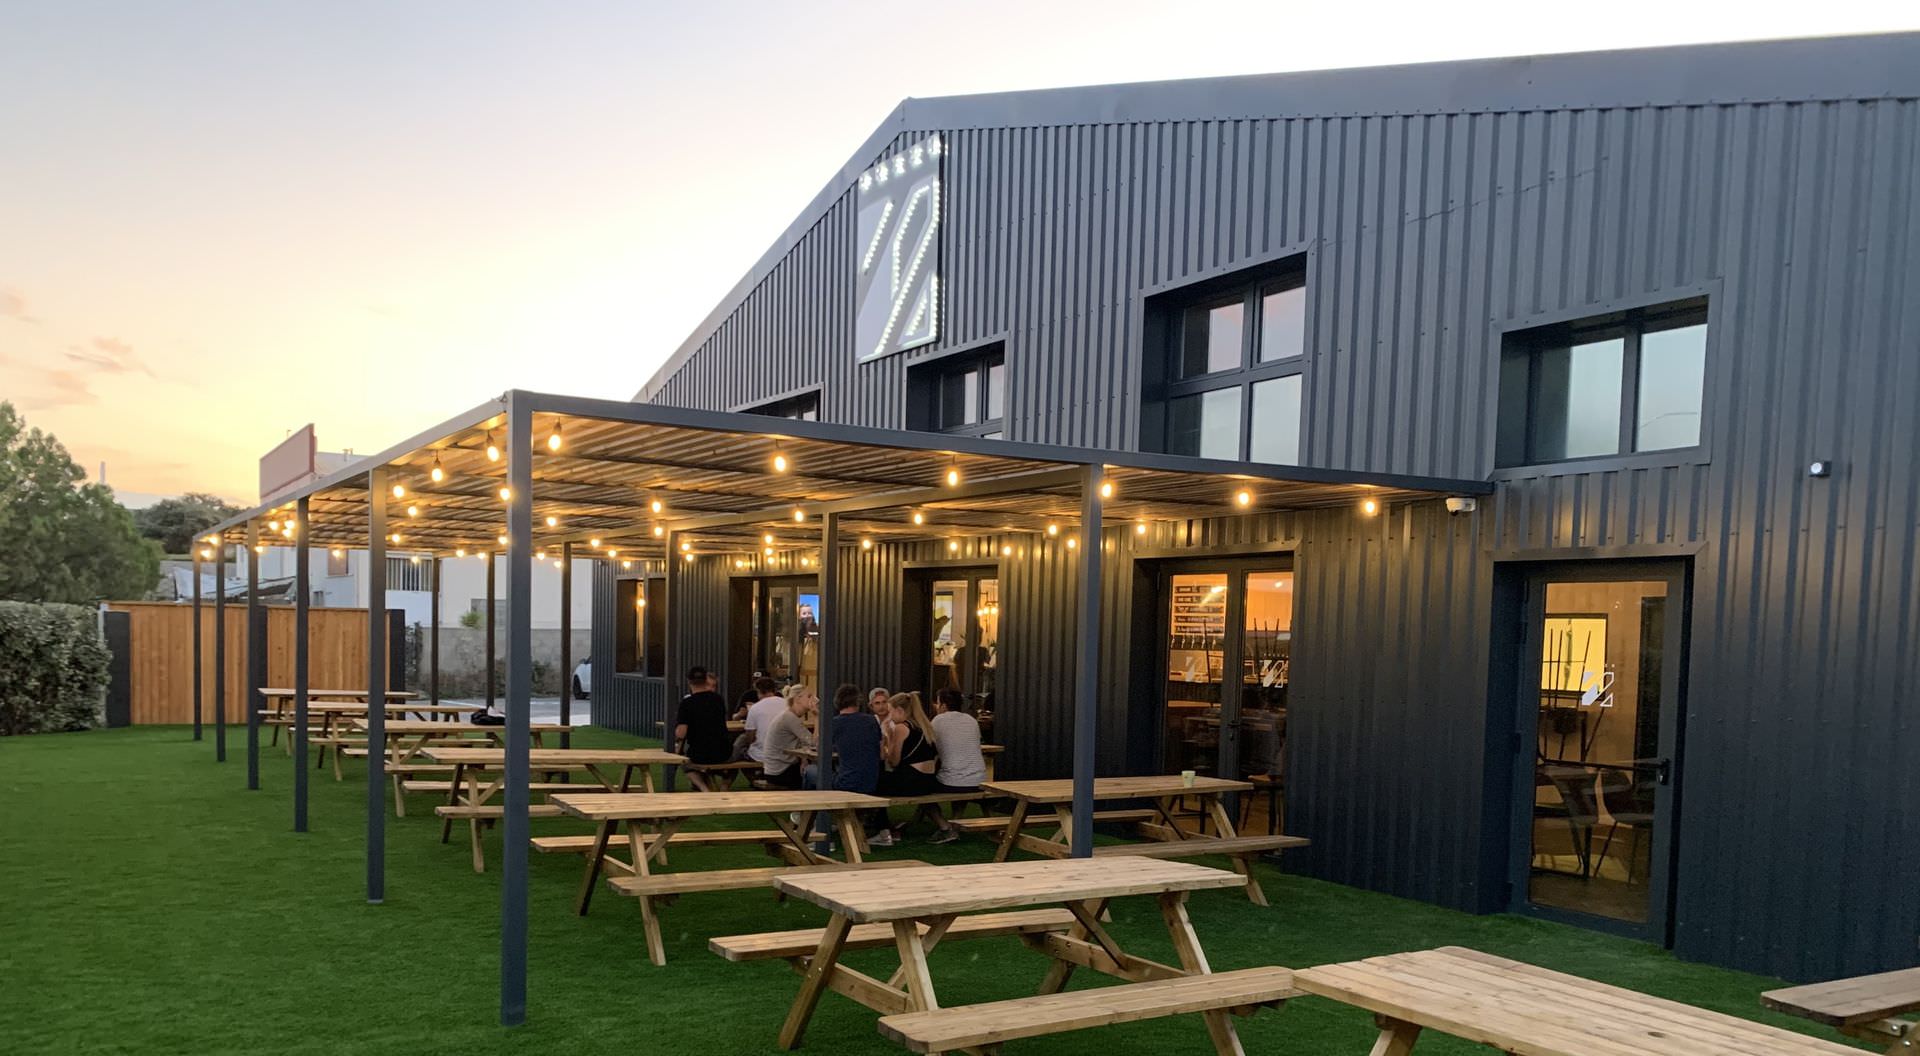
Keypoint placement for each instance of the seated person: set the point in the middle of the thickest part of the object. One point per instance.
(856, 746)
(767, 706)
(907, 748)
(962, 767)
(700, 726)
(786, 736)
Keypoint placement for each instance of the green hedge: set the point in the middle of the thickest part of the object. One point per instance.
(53, 668)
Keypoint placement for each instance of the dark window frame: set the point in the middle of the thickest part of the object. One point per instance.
(799, 406)
(927, 384)
(1249, 290)
(1518, 426)
(639, 645)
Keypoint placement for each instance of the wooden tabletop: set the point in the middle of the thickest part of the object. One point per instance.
(1531, 1011)
(406, 726)
(543, 758)
(1851, 1002)
(357, 694)
(1061, 790)
(904, 894)
(609, 806)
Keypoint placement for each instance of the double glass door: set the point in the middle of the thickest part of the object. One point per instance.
(785, 630)
(963, 634)
(1227, 660)
(1600, 686)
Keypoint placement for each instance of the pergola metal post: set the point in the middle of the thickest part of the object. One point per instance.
(492, 561)
(376, 685)
(827, 617)
(220, 652)
(513, 827)
(256, 654)
(1086, 695)
(198, 693)
(302, 600)
(433, 635)
(566, 642)
(670, 666)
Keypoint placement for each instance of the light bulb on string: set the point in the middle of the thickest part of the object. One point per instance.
(436, 472)
(553, 438)
(657, 506)
(552, 521)
(493, 449)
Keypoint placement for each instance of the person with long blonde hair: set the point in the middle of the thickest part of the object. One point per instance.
(907, 749)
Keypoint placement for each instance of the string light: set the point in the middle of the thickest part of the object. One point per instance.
(626, 564)
(780, 463)
(399, 491)
(493, 449)
(287, 531)
(1369, 506)
(556, 563)
(1106, 489)
(413, 511)
(506, 494)
(1006, 550)
(503, 540)
(686, 548)
(612, 552)
(213, 540)
(1073, 542)
(953, 473)
(594, 542)
(460, 552)
(415, 559)
(206, 554)
(767, 538)
(437, 473)
(689, 558)
(273, 526)
(259, 549)
(799, 514)
(767, 551)
(338, 552)
(1243, 497)
(1140, 528)
(919, 518)
(866, 544)
(658, 506)
(953, 546)
(540, 555)
(552, 521)
(553, 438)
(658, 531)
(395, 537)
(1053, 529)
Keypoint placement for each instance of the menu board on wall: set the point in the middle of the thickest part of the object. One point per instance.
(1199, 610)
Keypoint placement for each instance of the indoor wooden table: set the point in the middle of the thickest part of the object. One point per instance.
(1164, 793)
(922, 903)
(653, 818)
(468, 788)
(1519, 1008)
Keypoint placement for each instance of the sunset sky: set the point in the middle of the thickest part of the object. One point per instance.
(221, 221)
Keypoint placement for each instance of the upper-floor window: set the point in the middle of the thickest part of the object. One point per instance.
(1229, 369)
(960, 394)
(409, 573)
(1624, 382)
(804, 407)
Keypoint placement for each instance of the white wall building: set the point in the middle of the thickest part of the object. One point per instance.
(338, 579)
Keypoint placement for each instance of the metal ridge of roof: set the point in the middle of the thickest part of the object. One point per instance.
(491, 415)
(1863, 66)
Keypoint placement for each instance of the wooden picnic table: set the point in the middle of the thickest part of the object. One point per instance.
(652, 820)
(923, 904)
(1171, 841)
(988, 753)
(466, 789)
(1871, 1008)
(406, 738)
(1531, 1011)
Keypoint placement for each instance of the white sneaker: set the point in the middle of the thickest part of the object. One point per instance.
(883, 838)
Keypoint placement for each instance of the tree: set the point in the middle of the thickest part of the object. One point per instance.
(62, 539)
(175, 523)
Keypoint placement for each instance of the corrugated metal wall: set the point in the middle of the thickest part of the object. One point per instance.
(1426, 235)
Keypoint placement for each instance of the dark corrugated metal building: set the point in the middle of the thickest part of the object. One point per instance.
(1667, 301)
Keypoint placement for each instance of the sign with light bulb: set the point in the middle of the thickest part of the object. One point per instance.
(897, 251)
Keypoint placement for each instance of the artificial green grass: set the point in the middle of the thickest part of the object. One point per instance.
(150, 904)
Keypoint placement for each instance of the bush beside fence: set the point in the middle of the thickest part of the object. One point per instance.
(53, 668)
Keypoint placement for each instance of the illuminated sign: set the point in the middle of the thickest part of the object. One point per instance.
(897, 251)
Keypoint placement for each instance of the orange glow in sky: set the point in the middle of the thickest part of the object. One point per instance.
(219, 222)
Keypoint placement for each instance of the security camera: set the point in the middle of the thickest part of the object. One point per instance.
(1461, 504)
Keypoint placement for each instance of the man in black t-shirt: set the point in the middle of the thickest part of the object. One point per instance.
(701, 730)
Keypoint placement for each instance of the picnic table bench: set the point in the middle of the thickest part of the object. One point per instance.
(471, 798)
(918, 908)
(1163, 794)
(654, 820)
(1868, 1007)
(407, 739)
(1531, 1011)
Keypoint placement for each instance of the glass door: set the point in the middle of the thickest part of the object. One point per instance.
(1196, 666)
(1600, 681)
(963, 625)
(785, 630)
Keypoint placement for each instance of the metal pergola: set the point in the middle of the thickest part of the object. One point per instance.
(531, 474)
